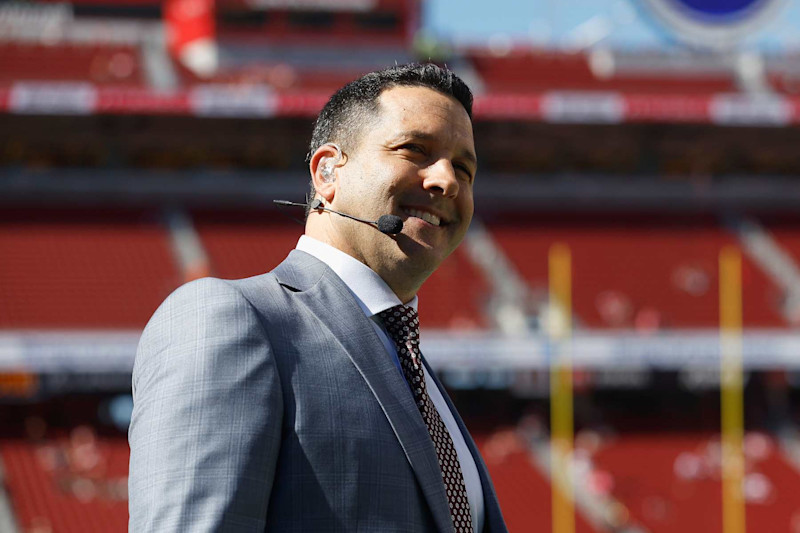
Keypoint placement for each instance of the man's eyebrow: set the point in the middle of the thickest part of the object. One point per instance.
(413, 134)
(425, 136)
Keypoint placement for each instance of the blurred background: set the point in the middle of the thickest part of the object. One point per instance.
(624, 145)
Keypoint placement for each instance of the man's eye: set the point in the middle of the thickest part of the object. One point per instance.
(413, 148)
(464, 171)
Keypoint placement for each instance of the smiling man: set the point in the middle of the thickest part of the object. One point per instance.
(299, 400)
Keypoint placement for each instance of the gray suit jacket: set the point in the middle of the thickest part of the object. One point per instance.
(270, 403)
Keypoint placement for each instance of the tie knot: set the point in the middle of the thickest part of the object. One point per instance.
(402, 323)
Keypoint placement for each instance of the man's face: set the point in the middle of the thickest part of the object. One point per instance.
(416, 160)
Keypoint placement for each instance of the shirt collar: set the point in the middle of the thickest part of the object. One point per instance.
(371, 292)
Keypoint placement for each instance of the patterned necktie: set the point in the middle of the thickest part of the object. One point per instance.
(402, 324)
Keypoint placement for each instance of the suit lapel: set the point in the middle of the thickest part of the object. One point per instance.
(326, 295)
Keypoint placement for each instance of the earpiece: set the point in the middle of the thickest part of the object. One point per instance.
(328, 164)
(327, 170)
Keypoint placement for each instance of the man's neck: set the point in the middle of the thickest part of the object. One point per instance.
(404, 294)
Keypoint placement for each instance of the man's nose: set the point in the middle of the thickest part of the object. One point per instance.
(441, 177)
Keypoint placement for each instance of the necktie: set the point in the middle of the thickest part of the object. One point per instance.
(402, 324)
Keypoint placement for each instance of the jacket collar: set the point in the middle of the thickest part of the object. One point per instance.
(333, 303)
(372, 293)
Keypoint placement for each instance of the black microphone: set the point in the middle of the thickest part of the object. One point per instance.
(387, 224)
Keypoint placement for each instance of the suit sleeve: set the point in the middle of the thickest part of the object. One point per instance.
(206, 425)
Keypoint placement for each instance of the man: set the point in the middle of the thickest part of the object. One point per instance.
(298, 400)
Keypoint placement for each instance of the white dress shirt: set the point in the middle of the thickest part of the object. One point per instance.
(374, 296)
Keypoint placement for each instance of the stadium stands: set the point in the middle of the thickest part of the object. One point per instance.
(100, 106)
(784, 83)
(248, 244)
(296, 69)
(531, 71)
(303, 22)
(50, 488)
(646, 273)
(642, 468)
(662, 275)
(83, 270)
(76, 484)
(111, 270)
(666, 481)
(670, 482)
(521, 489)
(104, 65)
(454, 296)
(278, 76)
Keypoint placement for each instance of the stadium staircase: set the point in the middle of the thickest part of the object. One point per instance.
(780, 265)
(510, 295)
(189, 252)
(789, 439)
(7, 519)
(785, 234)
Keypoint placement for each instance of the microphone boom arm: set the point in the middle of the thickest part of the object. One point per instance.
(386, 224)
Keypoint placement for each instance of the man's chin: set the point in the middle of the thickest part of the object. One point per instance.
(421, 256)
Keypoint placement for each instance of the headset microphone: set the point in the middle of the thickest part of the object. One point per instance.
(387, 224)
(390, 224)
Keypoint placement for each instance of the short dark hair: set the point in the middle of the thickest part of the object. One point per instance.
(341, 119)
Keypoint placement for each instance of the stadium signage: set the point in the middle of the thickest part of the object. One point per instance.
(67, 98)
(714, 23)
(738, 109)
(232, 100)
(258, 101)
(106, 352)
(583, 107)
(315, 5)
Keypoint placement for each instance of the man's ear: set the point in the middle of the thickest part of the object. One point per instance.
(324, 166)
